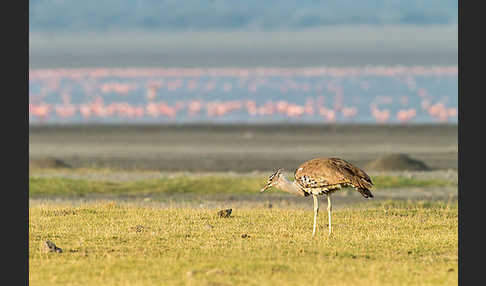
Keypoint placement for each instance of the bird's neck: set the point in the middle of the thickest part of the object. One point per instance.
(290, 187)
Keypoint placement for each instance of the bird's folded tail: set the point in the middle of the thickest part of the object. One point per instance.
(365, 192)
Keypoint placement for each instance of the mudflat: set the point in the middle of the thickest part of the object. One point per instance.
(238, 148)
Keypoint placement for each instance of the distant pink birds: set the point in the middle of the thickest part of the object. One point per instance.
(317, 92)
(381, 116)
(406, 115)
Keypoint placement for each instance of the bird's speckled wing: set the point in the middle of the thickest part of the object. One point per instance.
(329, 172)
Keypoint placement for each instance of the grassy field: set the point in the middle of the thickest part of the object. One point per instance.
(137, 205)
(110, 234)
(105, 243)
(68, 187)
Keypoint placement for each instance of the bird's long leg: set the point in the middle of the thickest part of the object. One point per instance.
(316, 210)
(329, 210)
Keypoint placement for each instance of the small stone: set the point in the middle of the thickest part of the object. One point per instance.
(208, 226)
(225, 213)
(244, 235)
(190, 273)
(214, 271)
(49, 246)
(138, 228)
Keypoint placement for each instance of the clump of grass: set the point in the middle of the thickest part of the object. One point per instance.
(45, 186)
(105, 243)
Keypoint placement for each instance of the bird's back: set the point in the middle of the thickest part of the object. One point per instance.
(326, 175)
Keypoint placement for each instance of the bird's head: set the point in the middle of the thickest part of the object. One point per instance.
(273, 180)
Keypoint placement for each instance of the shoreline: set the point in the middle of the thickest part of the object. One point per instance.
(238, 148)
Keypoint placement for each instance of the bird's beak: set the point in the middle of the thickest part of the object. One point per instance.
(265, 188)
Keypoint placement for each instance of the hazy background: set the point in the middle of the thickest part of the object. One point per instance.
(125, 33)
(206, 14)
(253, 61)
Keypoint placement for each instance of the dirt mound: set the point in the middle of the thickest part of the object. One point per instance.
(397, 162)
(47, 163)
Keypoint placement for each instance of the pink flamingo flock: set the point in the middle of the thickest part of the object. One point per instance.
(172, 93)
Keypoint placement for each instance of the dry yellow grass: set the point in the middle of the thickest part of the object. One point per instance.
(104, 243)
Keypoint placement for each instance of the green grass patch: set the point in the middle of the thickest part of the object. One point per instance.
(104, 243)
(45, 186)
(397, 182)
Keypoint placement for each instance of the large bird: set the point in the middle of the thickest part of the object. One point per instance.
(322, 176)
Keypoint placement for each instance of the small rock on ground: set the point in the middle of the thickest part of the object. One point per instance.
(214, 271)
(225, 213)
(49, 246)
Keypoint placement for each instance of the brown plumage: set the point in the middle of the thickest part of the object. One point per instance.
(322, 176)
(327, 175)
